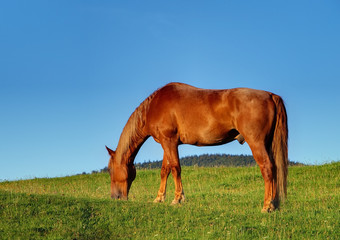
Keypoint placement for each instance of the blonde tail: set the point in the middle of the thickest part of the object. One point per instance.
(280, 148)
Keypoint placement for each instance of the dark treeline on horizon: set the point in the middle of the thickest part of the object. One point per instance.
(205, 160)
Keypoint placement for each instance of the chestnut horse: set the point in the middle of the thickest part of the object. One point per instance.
(181, 114)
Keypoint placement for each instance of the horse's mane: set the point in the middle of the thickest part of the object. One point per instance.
(131, 133)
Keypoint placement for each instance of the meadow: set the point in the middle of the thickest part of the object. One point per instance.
(221, 203)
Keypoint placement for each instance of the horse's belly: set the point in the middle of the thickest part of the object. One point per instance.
(208, 138)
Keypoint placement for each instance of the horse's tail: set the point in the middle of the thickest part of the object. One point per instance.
(279, 148)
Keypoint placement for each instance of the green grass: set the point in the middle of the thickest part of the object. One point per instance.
(221, 203)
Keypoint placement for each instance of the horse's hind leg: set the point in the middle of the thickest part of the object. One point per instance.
(165, 171)
(268, 172)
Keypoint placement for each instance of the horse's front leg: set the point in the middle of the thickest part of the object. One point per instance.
(176, 173)
(165, 171)
(171, 152)
(171, 163)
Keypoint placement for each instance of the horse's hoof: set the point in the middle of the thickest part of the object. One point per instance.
(159, 200)
(268, 209)
(265, 210)
(179, 200)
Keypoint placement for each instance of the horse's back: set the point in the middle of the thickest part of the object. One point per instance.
(206, 117)
(184, 100)
(188, 97)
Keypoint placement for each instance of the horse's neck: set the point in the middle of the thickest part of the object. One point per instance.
(128, 155)
(133, 136)
(131, 140)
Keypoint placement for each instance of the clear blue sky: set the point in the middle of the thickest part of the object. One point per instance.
(72, 72)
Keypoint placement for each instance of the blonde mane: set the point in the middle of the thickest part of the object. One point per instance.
(132, 133)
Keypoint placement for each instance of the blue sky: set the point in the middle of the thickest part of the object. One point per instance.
(72, 72)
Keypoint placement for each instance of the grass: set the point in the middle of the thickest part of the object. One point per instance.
(221, 203)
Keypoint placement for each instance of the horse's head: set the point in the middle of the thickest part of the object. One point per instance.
(122, 176)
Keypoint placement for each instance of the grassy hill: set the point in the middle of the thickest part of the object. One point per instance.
(221, 203)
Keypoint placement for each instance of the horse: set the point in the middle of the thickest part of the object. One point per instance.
(182, 114)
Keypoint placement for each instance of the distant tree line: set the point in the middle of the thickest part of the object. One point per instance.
(205, 160)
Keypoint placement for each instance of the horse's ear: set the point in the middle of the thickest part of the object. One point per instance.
(110, 151)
